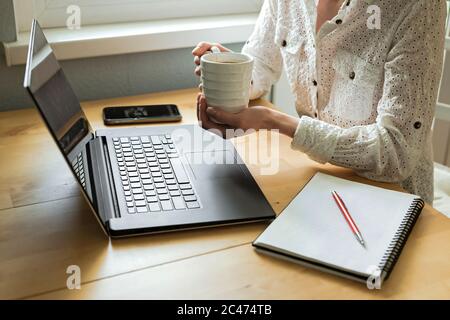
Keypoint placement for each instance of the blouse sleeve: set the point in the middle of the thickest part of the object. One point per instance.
(261, 46)
(388, 150)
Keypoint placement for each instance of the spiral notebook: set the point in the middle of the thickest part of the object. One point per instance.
(313, 232)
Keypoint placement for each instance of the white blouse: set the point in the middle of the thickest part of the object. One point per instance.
(365, 89)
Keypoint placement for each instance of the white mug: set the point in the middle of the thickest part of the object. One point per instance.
(226, 79)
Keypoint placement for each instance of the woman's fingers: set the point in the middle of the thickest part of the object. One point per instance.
(199, 95)
(198, 51)
(230, 119)
(203, 117)
(198, 71)
(201, 48)
(206, 123)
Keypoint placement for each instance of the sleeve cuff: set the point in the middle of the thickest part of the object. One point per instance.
(255, 92)
(316, 138)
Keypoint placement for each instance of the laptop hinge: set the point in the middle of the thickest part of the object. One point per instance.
(102, 175)
(110, 178)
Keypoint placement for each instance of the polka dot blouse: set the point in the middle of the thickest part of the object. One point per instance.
(365, 85)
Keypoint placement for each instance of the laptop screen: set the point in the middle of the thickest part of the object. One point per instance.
(53, 94)
(59, 107)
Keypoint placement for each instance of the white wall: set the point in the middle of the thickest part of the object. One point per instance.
(282, 96)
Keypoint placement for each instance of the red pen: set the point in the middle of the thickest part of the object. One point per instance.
(348, 217)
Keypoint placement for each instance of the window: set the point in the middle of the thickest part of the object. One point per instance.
(448, 20)
(110, 27)
(53, 13)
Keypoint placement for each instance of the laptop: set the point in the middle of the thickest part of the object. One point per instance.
(142, 180)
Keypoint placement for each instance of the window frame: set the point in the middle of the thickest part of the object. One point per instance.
(53, 13)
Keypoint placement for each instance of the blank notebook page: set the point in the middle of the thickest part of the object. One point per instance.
(312, 227)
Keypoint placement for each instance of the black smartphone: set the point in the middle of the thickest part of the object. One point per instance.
(141, 114)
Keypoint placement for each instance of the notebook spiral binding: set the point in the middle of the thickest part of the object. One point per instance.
(401, 235)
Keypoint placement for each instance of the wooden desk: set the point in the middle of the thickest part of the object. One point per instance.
(45, 226)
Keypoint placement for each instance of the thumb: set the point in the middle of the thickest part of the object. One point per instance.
(223, 116)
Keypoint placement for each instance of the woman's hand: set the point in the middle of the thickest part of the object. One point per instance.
(252, 118)
(204, 48)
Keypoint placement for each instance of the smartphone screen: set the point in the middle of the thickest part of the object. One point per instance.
(155, 113)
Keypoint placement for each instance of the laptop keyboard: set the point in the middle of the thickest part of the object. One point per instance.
(78, 167)
(153, 177)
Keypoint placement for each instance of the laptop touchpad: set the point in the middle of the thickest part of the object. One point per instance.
(214, 165)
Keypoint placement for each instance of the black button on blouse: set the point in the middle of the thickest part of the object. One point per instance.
(284, 43)
(418, 125)
(352, 75)
(338, 21)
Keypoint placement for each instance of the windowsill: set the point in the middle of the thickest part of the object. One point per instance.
(134, 37)
(113, 39)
